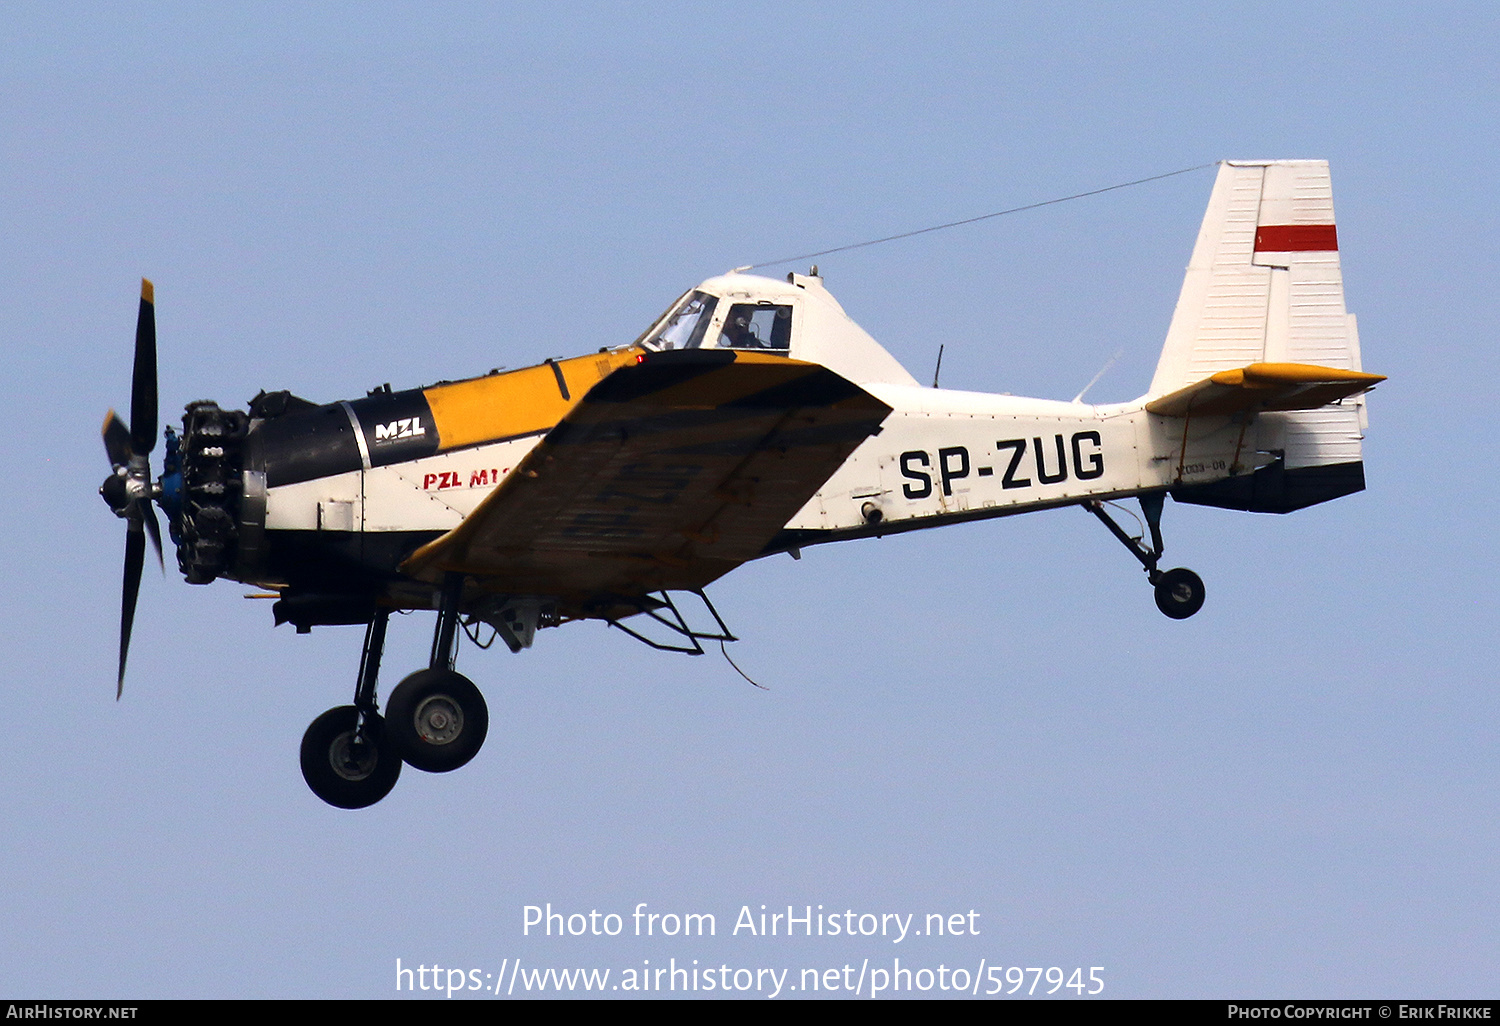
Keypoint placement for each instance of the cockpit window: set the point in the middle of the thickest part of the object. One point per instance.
(757, 326)
(686, 326)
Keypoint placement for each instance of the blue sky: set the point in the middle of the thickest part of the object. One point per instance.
(1294, 793)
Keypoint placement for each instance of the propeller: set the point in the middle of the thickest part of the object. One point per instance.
(129, 490)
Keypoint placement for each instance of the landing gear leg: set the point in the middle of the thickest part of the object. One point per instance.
(346, 759)
(1179, 592)
(436, 718)
(369, 662)
(445, 637)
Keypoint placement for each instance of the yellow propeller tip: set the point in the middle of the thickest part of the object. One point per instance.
(148, 291)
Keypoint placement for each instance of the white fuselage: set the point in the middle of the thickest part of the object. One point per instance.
(943, 454)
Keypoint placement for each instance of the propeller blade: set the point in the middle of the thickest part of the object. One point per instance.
(143, 382)
(154, 530)
(135, 555)
(116, 440)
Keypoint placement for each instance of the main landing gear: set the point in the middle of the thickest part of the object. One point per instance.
(1179, 592)
(436, 719)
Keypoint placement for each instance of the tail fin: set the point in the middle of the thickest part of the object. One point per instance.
(1264, 286)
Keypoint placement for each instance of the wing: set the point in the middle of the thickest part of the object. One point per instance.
(668, 474)
(1265, 386)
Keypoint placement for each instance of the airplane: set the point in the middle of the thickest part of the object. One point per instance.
(753, 417)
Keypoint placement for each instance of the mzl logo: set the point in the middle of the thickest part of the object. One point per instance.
(409, 427)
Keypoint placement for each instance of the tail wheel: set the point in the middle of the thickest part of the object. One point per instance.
(436, 720)
(1179, 593)
(348, 769)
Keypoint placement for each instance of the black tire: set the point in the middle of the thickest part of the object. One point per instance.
(436, 720)
(346, 773)
(1179, 593)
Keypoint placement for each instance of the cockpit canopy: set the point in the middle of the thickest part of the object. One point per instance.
(796, 318)
(759, 325)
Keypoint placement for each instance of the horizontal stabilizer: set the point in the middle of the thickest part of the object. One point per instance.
(1265, 386)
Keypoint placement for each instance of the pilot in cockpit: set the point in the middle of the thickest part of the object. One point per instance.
(738, 332)
(757, 326)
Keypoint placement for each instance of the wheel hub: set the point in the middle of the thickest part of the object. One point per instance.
(351, 758)
(439, 720)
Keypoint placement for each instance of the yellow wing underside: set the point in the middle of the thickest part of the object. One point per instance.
(669, 473)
